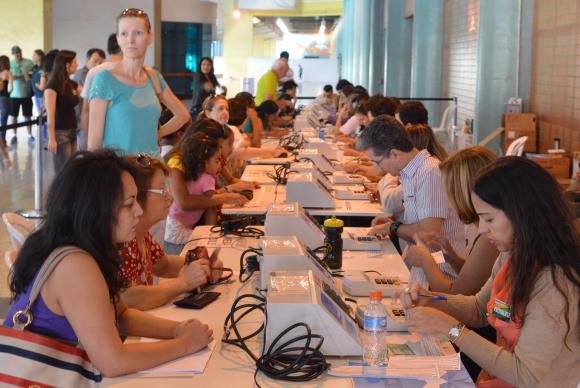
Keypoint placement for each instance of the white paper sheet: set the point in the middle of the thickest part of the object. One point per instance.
(191, 364)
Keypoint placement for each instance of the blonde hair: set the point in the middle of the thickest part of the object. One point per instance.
(459, 172)
(134, 13)
(423, 138)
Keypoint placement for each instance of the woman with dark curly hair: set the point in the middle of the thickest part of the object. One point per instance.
(91, 207)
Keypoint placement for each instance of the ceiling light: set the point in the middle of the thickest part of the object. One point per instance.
(282, 26)
(237, 14)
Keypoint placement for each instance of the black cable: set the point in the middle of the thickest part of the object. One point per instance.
(291, 142)
(250, 265)
(239, 227)
(286, 361)
(280, 174)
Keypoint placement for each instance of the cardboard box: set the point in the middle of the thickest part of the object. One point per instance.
(557, 165)
(518, 125)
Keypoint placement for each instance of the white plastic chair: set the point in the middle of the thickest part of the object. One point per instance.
(10, 258)
(444, 132)
(18, 228)
(516, 148)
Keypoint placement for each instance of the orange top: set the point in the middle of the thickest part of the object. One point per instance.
(499, 315)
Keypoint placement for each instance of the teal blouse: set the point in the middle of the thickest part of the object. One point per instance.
(132, 117)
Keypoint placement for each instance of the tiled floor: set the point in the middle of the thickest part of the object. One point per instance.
(17, 190)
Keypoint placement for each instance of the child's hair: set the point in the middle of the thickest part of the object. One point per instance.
(145, 167)
(212, 129)
(167, 115)
(238, 111)
(267, 108)
(248, 98)
(188, 147)
(195, 152)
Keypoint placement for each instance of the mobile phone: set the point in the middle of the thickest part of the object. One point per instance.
(195, 254)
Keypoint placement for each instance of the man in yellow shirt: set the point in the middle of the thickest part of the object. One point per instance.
(268, 83)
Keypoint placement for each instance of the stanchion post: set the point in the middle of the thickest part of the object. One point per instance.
(38, 167)
(36, 213)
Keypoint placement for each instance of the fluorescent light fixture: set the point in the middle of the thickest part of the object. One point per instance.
(322, 29)
(282, 26)
(321, 37)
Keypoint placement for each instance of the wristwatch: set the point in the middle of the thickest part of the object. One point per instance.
(455, 332)
(394, 228)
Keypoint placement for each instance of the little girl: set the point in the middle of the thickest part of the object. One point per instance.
(193, 165)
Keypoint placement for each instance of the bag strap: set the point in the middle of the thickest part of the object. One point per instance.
(154, 80)
(44, 272)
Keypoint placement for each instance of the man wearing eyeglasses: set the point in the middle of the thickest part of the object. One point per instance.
(426, 209)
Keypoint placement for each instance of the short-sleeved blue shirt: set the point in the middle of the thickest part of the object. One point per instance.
(132, 117)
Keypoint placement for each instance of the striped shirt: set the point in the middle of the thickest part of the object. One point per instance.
(424, 197)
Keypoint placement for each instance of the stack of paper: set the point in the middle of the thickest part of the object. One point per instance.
(187, 365)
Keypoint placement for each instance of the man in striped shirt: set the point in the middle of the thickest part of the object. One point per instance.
(426, 208)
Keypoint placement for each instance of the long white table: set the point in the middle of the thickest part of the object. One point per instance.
(231, 367)
(267, 195)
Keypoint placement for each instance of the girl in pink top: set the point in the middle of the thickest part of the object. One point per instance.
(193, 164)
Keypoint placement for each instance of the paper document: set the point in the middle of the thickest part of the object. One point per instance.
(191, 364)
(442, 363)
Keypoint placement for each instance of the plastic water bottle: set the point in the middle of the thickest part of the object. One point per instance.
(322, 133)
(375, 331)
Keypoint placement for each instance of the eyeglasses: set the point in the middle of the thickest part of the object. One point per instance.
(378, 162)
(164, 192)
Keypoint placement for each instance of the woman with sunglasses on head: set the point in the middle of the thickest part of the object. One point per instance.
(143, 257)
(194, 163)
(220, 110)
(532, 297)
(125, 100)
(91, 206)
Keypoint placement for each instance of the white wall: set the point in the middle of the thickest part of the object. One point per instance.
(83, 24)
(79, 25)
(315, 73)
(460, 56)
(188, 11)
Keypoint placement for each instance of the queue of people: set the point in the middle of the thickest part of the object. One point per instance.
(510, 247)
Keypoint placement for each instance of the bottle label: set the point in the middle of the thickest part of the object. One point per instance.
(375, 323)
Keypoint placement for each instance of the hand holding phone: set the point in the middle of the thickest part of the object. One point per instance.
(196, 271)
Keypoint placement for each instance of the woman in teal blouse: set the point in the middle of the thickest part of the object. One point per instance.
(125, 97)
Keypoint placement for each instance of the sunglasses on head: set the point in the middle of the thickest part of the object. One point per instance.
(143, 160)
(133, 12)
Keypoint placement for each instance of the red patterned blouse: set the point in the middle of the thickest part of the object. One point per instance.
(138, 268)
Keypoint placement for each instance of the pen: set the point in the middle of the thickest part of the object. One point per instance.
(433, 297)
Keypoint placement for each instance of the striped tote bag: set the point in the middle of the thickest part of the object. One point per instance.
(28, 359)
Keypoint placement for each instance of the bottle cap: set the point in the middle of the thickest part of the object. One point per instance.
(333, 223)
(376, 295)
